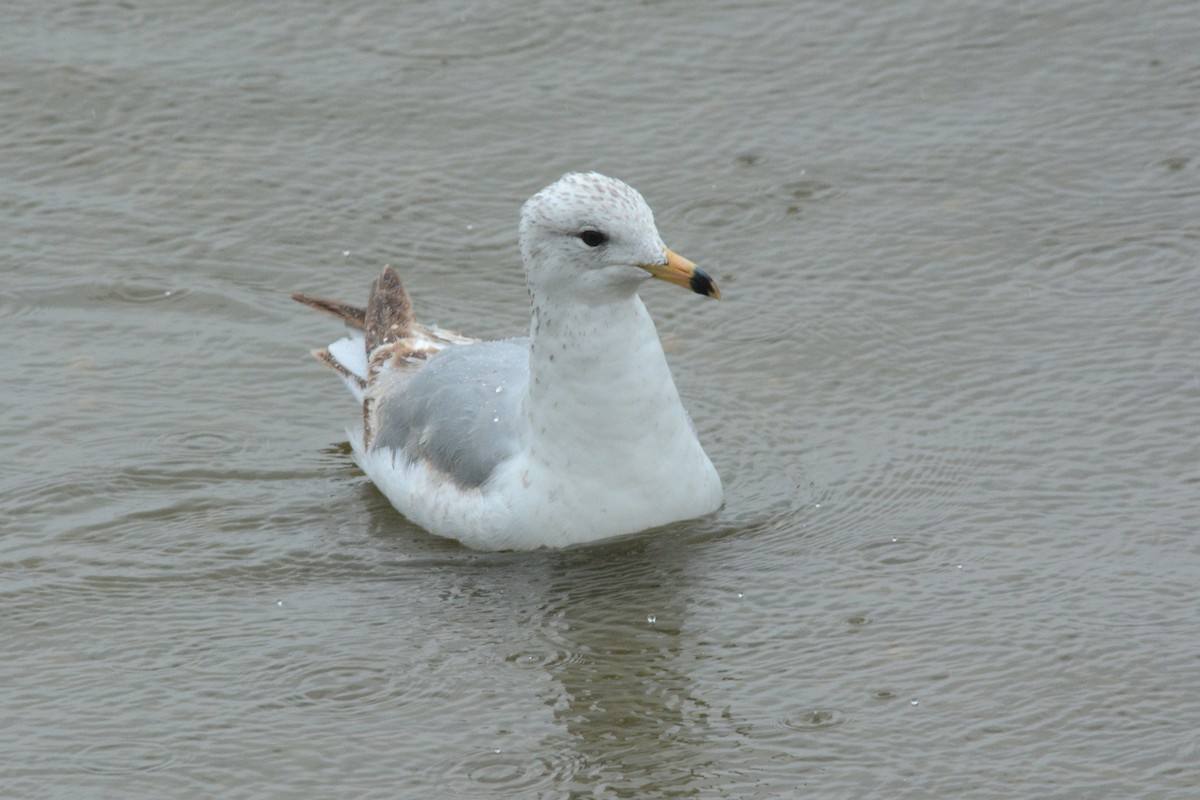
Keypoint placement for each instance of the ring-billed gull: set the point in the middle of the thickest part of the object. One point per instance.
(572, 434)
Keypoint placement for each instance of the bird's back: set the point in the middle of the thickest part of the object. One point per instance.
(460, 413)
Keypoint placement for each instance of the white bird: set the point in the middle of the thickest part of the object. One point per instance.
(571, 435)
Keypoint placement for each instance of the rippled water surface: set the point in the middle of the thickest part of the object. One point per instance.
(953, 391)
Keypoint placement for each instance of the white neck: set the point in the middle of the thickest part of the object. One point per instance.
(612, 351)
(609, 443)
(600, 392)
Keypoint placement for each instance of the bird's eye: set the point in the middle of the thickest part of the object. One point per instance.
(593, 238)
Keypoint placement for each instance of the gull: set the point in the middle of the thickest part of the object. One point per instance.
(572, 434)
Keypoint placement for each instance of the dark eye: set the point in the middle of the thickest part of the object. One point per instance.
(593, 238)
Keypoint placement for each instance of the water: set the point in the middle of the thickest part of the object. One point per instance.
(952, 390)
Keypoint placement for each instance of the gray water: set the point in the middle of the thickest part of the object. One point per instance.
(953, 391)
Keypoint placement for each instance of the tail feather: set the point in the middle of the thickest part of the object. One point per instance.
(392, 341)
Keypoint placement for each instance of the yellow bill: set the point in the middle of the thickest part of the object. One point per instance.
(681, 272)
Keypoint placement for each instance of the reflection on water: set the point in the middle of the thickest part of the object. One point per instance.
(628, 704)
(604, 624)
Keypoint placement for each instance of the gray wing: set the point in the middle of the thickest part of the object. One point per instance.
(461, 411)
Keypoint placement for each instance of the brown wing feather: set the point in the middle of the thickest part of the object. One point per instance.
(389, 311)
(354, 316)
(392, 335)
(325, 357)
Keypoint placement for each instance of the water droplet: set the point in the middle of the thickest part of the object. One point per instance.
(499, 389)
(817, 505)
(740, 595)
(651, 618)
(914, 702)
(495, 419)
(278, 602)
(958, 566)
(345, 254)
(894, 540)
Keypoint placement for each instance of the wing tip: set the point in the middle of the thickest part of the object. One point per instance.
(354, 316)
(328, 359)
(389, 314)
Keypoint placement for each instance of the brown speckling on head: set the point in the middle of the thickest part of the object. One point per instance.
(577, 195)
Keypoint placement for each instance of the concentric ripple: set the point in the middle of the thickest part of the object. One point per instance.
(455, 31)
(339, 687)
(500, 772)
(124, 758)
(814, 719)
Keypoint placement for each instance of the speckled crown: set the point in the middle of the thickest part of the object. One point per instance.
(585, 198)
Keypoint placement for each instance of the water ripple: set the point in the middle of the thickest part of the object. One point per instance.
(455, 30)
(346, 687)
(124, 757)
(544, 655)
(500, 772)
(814, 719)
(14, 304)
(144, 293)
(749, 210)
